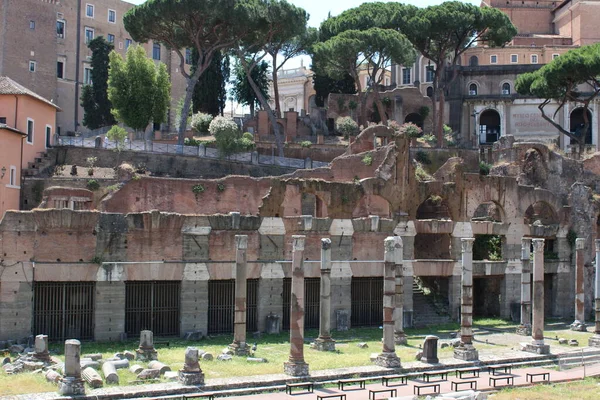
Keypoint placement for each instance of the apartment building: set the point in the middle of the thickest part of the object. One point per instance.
(43, 46)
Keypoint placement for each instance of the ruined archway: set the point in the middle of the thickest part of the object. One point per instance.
(488, 211)
(541, 213)
(415, 118)
(434, 207)
(371, 204)
(489, 127)
(312, 204)
(577, 123)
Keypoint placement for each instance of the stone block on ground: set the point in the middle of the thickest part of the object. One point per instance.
(136, 369)
(171, 375)
(563, 341)
(110, 373)
(92, 377)
(16, 349)
(53, 376)
(149, 374)
(159, 366)
(362, 345)
(207, 357)
(130, 355)
(95, 356)
(573, 342)
(224, 357)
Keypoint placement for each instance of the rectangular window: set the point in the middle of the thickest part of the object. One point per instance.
(514, 58)
(128, 43)
(112, 16)
(111, 38)
(156, 51)
(60, 70)
(406, 79)
(494, 59)
(534, 59)
(89, 10)
(89, 35)
(555, 56)
(12, 179)
(429, 73)
(188, 56)
(60, 28)
(32, 25)
(87, 76)
(29, 131)
(3, 120)
(32, 65)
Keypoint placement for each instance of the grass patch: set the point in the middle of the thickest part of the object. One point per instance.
(586, 389)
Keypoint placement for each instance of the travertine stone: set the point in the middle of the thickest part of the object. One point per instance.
(525, 327)
(72, 384)
(110, 373)
(579, 323)
(537, 343)
(399, 335)
(191, 373)
(465, 350)
(146, 351)
(324, 342)
(239, 345)
(92, 377)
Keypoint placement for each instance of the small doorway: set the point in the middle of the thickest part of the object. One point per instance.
(48, 136)
(489, 127)
(577, 124)
(415, 118)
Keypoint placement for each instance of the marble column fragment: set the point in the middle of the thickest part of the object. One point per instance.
(465, 351)
(41, 348)
(595, 339)
(579, 323)
(239, 345)
(388, 357)
(525, 327)
(146, 351)
(537, 326)
(72, 384)
(296, 366)
(399, 335)
(191, 373)
(324, 342)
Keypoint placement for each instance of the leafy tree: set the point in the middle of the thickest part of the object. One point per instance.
(205, 25)
(138, 89)
(571, 77)
(243, 92)
(210, 93)
(94, 97)
(442, 33)
(117, 135)
(324, 85)
(227, 135)
(372, 49)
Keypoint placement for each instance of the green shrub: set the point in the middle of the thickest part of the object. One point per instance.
(191, 142)
(220, 187)
(117, 135)
(484, 168)
(92, 185)
(227, 135)
(198, 188)
(368, 159)
(421, 175)
(424, 112)
(386, 101)
(352, 105)
(346, 126)
(341, 102)
(200, 122)
(422, 157)
(245, 144)
(435, 199)
(306, 143)
(411, 130)
(248, 135)
(429, 138)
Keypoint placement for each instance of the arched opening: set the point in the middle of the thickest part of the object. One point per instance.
(371, 204)
(312, 204)
(489, 127)
(488, 211)
(473, 61)
(429, 91)
(433, 208)
(415, 118)
(578, 123)
(541, 213)
(472, 89)
(506, 88)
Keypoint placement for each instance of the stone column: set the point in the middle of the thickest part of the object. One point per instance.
(324, 342)
(595, 340)
(191, 373)
(537, 328)
(72, 384)
(296, 366)
(239, 345)
(399, 335)
(388, 357)
(465, 351)
(579, 323)
(41, 348)
(146, 351)
(525, 327)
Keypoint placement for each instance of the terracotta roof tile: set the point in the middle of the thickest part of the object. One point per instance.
(8, 86)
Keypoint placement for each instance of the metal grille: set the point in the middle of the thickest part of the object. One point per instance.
(221, 305)
(152, 305)
(64, 310)
(367, 301)
(312, 302)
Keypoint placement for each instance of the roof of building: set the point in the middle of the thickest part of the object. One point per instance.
(8, 86)
(10, 128)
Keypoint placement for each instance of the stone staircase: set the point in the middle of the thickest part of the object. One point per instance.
(427, 311)
(40, 165)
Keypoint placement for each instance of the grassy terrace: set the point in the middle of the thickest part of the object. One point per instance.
(275, 348)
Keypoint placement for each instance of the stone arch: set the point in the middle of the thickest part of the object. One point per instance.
(473, 89)
(415, 118)
(541, 213)
(506, 88)
(473, 61)
(371, 204)
(489, 126)
(435, 207)
(489, 211)
(577, 122)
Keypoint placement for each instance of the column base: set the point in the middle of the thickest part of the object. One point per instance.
(523, 330)
(190, 378)
(594, 341)
(242, 350)
(323, 344)
(466, 352)
(400, 339)
(579, 326)
(71, 386)
(295, 368)
(536, 348)
(146, 355)
(388, 360)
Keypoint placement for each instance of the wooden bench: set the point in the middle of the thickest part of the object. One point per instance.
(510, 380)
(385, 380)
(494, 370)
(454, 385)
(442, 374)
(545, 376)
(340, 396)
(472, 372)
(360, 381)
(309, 386)
(373, 392)
(435, 386)
(208, 396)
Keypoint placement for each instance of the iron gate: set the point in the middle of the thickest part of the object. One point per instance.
(312, 302)
(221, 305)
(367, 301)
(152, 305)
(64, 310)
